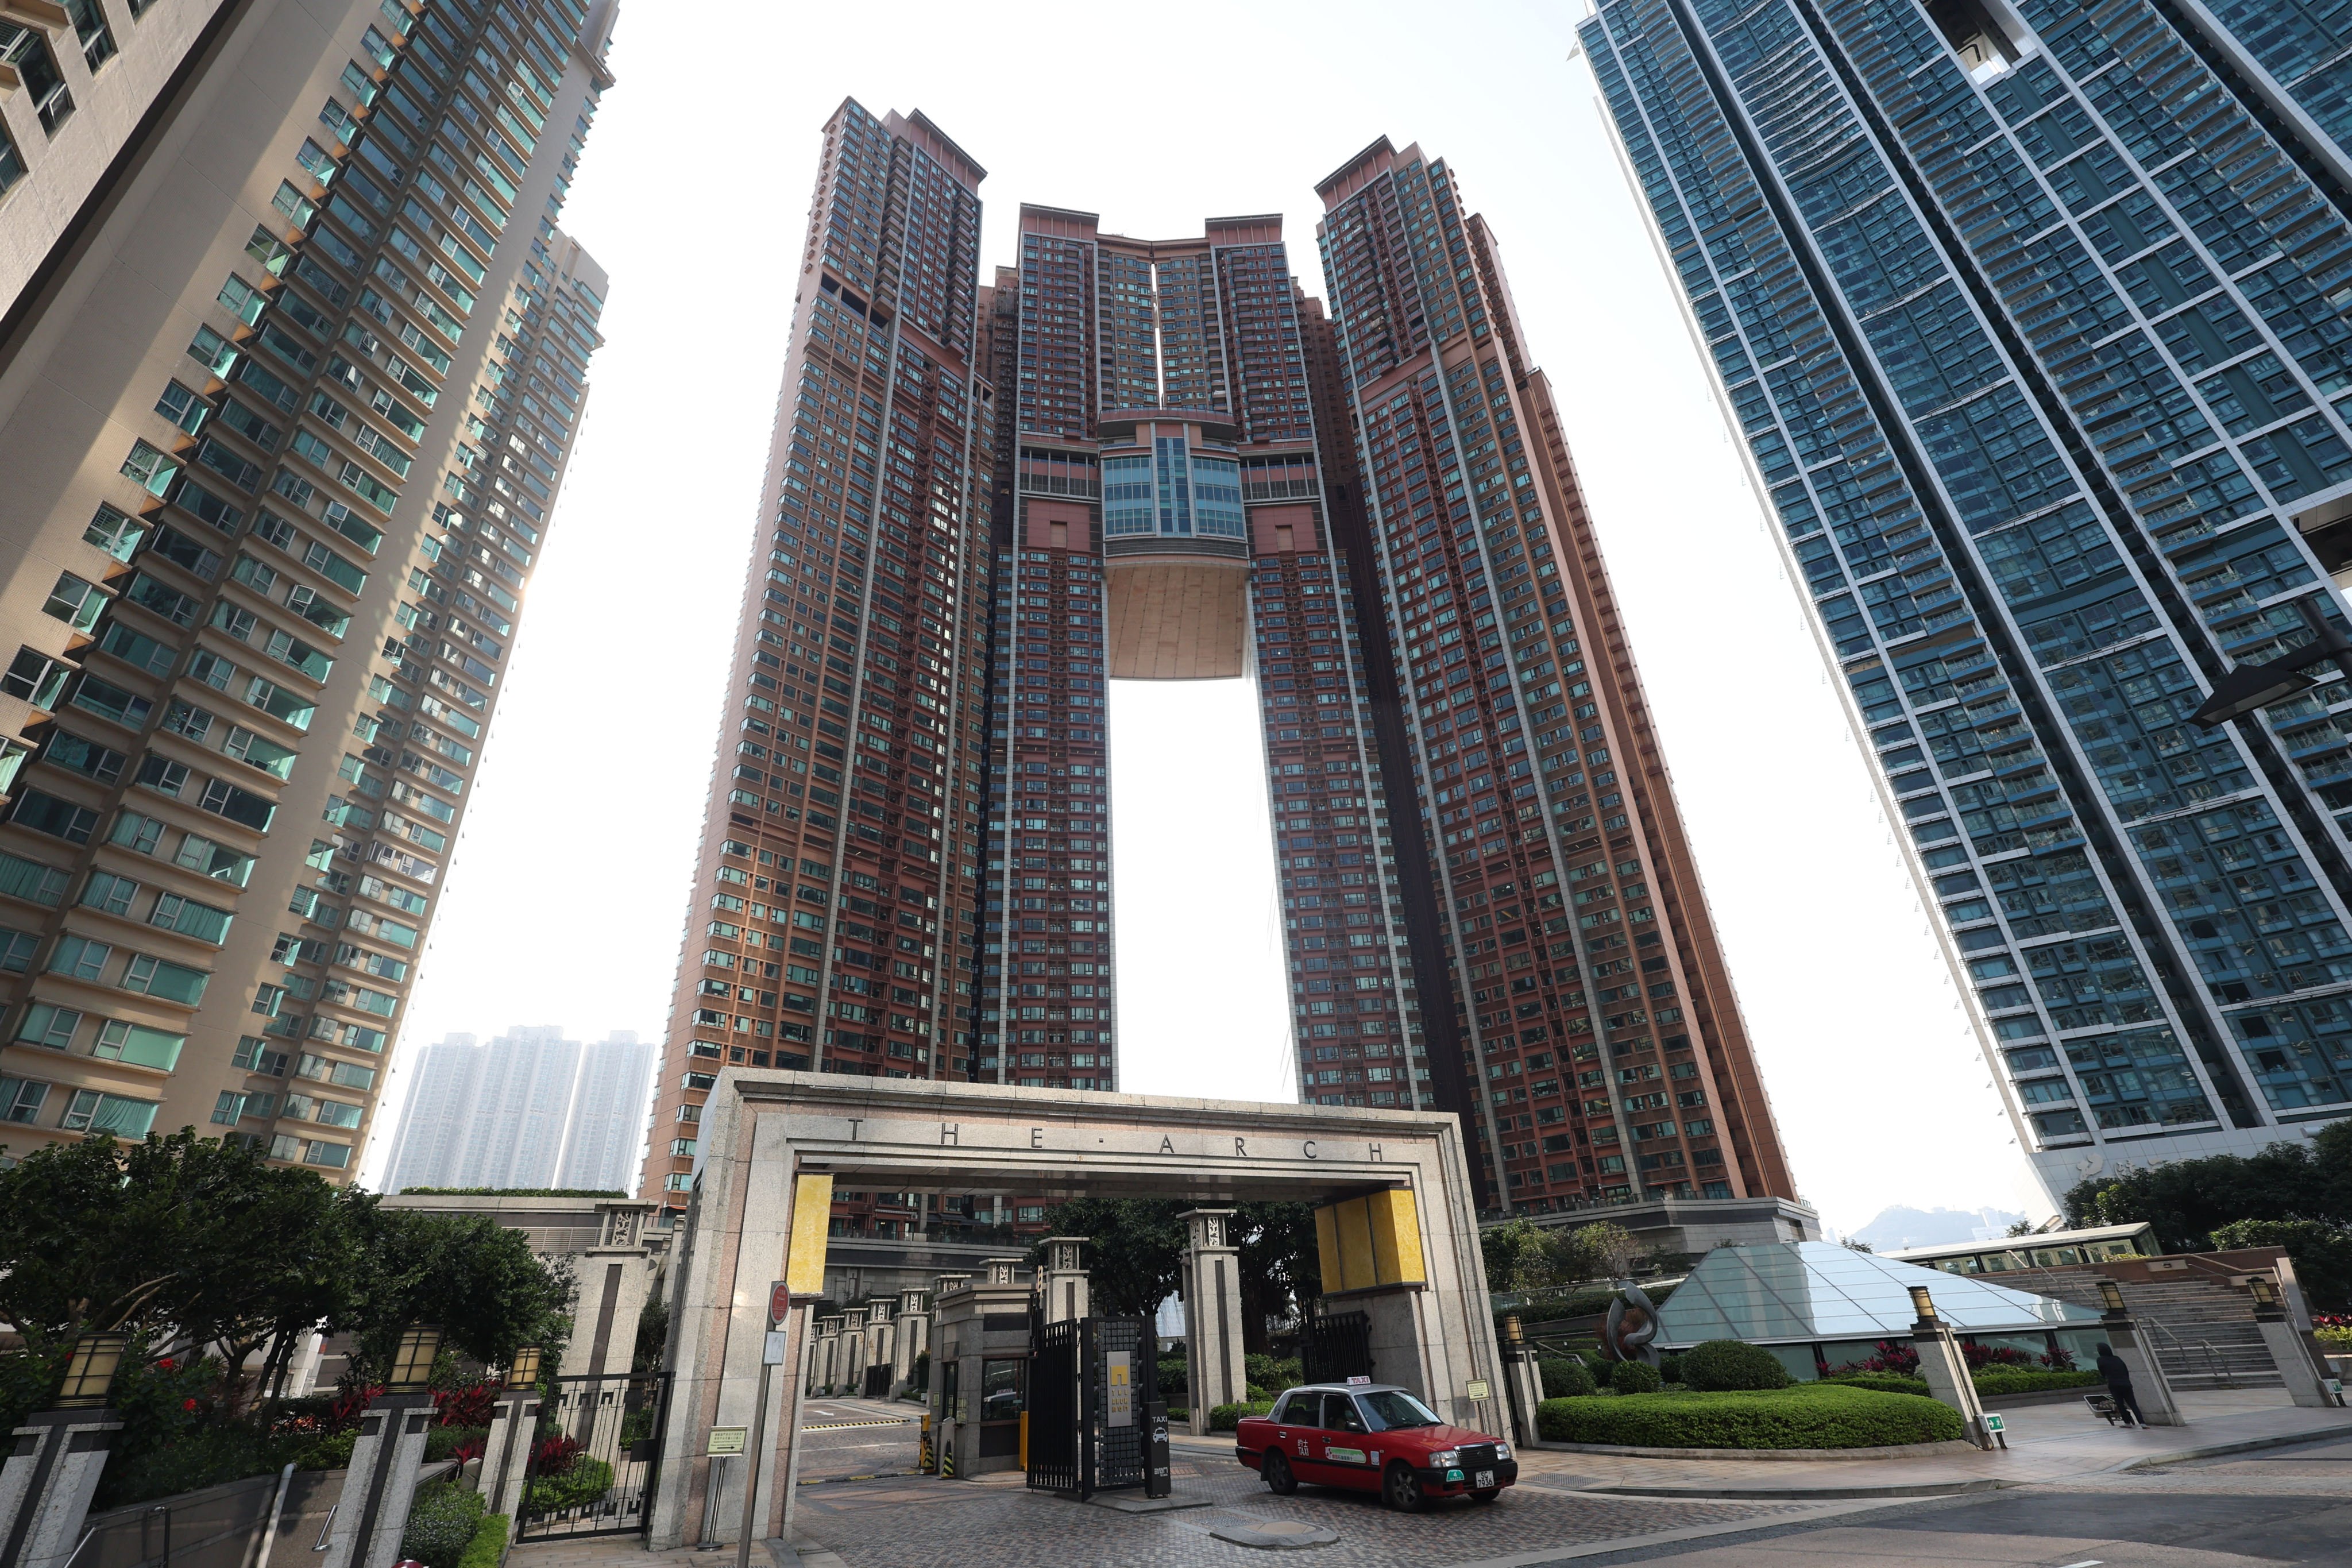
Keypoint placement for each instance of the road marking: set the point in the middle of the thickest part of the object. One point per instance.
(2086, 1563)
(838, 1426)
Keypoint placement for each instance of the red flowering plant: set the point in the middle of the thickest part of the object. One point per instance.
(469, 1405)
(1892, 1356)
(1981, 1357)
(554, 1456)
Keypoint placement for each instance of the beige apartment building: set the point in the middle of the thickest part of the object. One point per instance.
(291, 356)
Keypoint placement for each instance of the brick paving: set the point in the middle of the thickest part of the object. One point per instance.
(998, 1523)
(899, 1521)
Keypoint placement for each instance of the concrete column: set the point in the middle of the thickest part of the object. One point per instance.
(883, 1346)
(2298, 1366)
(1946, 1372)
(46, 1484)
(1063, 1282)
(505, 1453)
(1522, 1384)
(1213, 1314)
(372, 1513)
(913, 1339)
(849, 1375)
(828, 1354)
(2149, 1385)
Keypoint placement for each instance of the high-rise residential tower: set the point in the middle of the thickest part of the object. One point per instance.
(290, 371)
(530, 1108)
(1155, 472)
(2034, 316)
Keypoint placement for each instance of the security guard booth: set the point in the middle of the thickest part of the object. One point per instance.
(980, 1374)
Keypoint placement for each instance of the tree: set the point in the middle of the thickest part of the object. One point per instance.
(1519, 1255)
(1136, 1253)
(1135, 1258)
(2186, 1199)
(2321, 1252)
(479, 1281)
(1599, 1250)
(1281, 1266)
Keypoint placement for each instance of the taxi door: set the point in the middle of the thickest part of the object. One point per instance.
(1344, 1456)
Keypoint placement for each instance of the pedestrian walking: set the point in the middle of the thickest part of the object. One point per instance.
(2118, 1371)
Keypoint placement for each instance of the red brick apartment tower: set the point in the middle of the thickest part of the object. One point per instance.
(1162, 470)
(1599, 1036)
(837, 883)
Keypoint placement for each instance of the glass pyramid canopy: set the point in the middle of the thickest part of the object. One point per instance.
(1817, 1291)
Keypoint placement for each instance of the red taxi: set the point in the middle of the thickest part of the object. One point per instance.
(1372, 1438)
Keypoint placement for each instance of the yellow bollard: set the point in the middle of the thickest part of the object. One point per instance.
(926, 1461)
(947, 1456)
(1024, 1439)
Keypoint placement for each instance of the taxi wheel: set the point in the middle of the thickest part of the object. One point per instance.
(1400, 1489)
(1279, 1479)
(1489, 1495)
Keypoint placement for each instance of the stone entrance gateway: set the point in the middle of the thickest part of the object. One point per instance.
(1400, 1245)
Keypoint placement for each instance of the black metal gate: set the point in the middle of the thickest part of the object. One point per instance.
(1056, 1411)
(1092, 1382)
(593, 1458)
(1335, 1346)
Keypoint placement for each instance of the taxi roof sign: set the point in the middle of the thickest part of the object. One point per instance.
(1356, 1380)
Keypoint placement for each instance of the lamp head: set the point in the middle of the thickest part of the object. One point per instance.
(1922, 1304)
(411, 1364)
(1514, 1331)
(2266, 1290)
(522, 1371)
(2111, 1295)
(89, 1374)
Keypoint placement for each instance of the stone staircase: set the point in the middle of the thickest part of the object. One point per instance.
(2203, 1330)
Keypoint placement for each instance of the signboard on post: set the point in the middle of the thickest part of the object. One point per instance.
(779, 1302)
(724, 1441)
(1119, 1409)
(1481, 1389)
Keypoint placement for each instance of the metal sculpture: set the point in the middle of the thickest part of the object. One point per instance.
(1631, 1324)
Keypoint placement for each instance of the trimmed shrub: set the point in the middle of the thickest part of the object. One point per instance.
(1564, 1377)
(1634, 1377)
(1806, 1417)
(1722, 1366)
(489, 1547)
(1225, 1418)
(2029, 1380)
(584, 1482)
(1175, 1376)
(1883, 1381)
(332, 1452)
(442, 1524)
(1670, 1368)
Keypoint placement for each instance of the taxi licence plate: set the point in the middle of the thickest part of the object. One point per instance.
(1481, 1480)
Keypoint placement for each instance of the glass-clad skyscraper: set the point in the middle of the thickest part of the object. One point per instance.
(2034, 319)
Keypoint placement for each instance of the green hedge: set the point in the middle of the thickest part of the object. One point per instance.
(1883, 1381)
(489, 1547)
(1724, 1366)
(586, 1481)
(1807, 1416)
(1990, 1381)
(1225, 1418)
(2029, 1380)
(1634, 1377)
(1564, 1377)
(442, 1524)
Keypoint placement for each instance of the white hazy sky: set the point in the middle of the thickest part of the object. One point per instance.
(570, 883)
